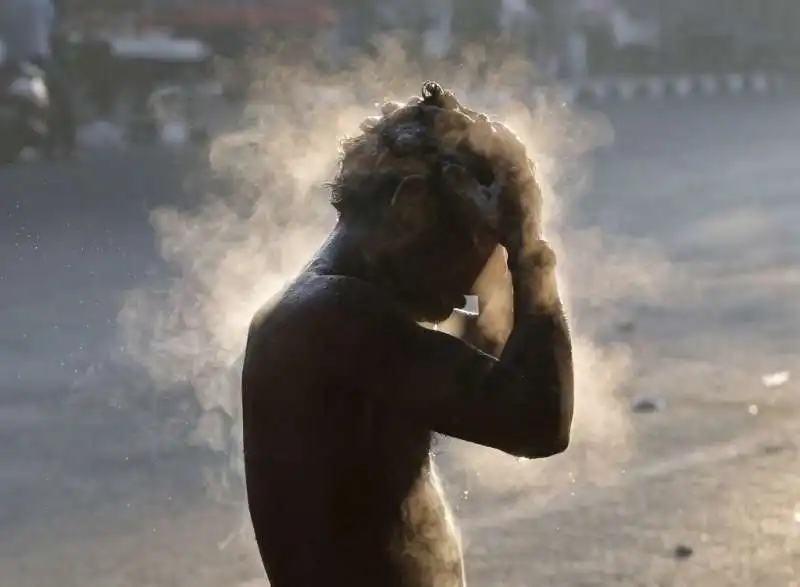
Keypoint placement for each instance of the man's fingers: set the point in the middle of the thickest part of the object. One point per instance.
(369, 123)
(390, 107)
(483, 200)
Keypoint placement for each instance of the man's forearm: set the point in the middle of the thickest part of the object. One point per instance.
(539, 320)
(540, 347)
(533, 277)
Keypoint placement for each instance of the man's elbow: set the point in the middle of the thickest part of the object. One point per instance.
(558, 444)
(548, 437)
(552, 435)
(544, 446)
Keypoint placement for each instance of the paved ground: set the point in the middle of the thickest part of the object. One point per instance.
(683, 265)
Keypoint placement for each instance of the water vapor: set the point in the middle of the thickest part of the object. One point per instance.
(237, 247)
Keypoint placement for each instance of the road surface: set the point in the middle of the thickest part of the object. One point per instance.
(683, 268)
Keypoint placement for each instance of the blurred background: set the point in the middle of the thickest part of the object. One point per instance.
(572, 37)
(115, 53)
(162, 171)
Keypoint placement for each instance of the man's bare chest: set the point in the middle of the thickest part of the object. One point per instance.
(427, 545)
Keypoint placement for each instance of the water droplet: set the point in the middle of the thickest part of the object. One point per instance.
(682, 551)
(775, 379)
(647, 405)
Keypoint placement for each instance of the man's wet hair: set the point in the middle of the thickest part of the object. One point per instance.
(423, 137)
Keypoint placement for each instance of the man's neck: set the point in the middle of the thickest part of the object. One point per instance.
(342, 253)
(346, 253)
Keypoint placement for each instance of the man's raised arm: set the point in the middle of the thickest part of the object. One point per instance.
(521, 403)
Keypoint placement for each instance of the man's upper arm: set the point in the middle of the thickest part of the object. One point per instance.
(447, 385)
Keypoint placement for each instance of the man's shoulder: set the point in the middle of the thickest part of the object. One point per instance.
(315, 302)
(323, 326)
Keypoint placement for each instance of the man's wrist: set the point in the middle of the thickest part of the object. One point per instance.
(533, 275)
(535, 254)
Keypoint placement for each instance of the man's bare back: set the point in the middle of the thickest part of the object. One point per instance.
(342, 389)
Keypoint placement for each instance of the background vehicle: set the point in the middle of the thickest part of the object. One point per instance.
(24, 109)
(237, 29)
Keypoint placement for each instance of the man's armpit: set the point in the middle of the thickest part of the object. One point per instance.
(432, 371)
(456, 390)
(396, 357)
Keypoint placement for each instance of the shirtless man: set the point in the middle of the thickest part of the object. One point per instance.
(342, 388)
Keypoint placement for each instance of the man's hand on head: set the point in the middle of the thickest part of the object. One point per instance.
(490, 164)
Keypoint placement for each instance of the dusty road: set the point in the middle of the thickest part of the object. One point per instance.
(694, 210)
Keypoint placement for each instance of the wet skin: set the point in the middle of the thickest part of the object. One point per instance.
(342, 388)
(342, 391)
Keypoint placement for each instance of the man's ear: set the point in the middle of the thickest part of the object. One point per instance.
(411, 212)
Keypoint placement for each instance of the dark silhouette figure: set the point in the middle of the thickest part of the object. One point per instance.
(342, 389)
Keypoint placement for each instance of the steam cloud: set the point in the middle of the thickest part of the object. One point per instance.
(235, 250)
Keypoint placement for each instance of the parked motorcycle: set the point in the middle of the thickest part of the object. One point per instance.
(24, 110)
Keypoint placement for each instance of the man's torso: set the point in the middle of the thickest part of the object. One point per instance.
(338, 461)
